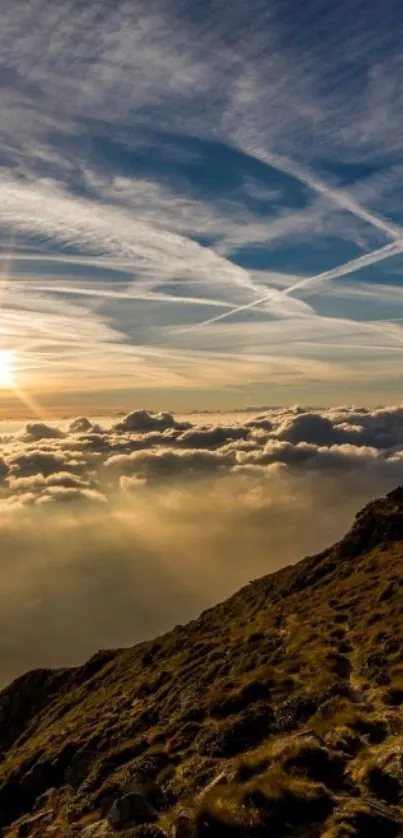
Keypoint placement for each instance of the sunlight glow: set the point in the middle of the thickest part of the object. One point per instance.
(7, 376)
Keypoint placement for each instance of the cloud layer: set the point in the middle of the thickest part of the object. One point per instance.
(113, 534)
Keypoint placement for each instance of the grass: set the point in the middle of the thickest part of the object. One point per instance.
(293, 688)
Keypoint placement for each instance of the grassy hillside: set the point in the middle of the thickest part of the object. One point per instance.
(278, 712)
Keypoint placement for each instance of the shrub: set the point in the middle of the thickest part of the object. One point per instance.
(314, 761)
(393, 697)
(384, 785)
(239, 733)
(361, 820)
(236, 702)
(271, 807)
(293, 712)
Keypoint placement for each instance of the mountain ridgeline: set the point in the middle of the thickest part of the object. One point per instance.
(275, 713)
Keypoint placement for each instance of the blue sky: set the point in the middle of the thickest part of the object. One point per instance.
(201, 203)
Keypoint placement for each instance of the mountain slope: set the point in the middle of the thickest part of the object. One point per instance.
(278, 712)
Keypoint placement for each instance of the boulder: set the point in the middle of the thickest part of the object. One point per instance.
(131, 809)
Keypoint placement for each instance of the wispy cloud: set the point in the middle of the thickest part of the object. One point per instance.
(386, 252)
(340, 197)
(167, 170)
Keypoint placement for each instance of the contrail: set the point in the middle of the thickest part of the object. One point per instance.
(353, 265)
(339, 196)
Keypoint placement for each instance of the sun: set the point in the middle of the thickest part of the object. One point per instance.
(7, 377)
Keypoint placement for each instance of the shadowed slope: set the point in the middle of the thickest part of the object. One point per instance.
(293, 688)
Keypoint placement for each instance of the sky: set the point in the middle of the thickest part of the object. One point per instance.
(200, 204)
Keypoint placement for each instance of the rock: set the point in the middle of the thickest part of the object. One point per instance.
(146, 787)
(131, 809)
(79, 768)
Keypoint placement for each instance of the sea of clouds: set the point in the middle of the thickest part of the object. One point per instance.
(110, 535)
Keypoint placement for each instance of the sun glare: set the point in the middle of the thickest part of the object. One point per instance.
(6, 368)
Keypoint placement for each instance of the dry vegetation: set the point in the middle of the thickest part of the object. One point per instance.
(279, 712)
